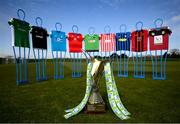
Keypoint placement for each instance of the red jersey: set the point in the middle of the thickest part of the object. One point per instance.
(159, 38)
(75, 42)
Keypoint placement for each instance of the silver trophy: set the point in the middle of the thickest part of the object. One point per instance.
(95, 103)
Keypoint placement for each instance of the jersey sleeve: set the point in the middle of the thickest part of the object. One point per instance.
(31, 29)
(85, 38)
(51, 35)
(11, 22)
(47, 33)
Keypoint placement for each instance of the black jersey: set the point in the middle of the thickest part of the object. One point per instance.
(39, 37)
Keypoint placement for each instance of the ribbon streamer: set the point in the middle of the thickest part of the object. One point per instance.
(113, 96)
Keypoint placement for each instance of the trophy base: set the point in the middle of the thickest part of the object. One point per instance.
(95, 108)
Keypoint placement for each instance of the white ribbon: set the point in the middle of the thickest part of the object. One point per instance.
(113, 95)
(77, 109)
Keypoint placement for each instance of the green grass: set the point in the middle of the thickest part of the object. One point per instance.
(146, 99)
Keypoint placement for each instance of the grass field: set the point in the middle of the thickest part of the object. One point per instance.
(147, 100)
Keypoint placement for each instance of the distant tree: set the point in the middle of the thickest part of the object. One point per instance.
(166, 54)
(174, 53)
(9, 56)
(124, 56)
(114, 55)
(98, 57)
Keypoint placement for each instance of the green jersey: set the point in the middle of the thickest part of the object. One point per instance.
(91, 42)
(20, 33)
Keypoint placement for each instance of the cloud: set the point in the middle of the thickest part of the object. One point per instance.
(176, 18)
(112, 3)
(173, 21)
(174, 24)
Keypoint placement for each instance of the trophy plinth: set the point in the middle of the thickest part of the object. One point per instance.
(95, 103)
(95, 108)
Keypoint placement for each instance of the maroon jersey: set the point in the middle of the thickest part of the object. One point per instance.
(159, 38)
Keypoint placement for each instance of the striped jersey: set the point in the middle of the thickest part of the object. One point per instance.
(123, 41)
(107, 42)
(139, 40)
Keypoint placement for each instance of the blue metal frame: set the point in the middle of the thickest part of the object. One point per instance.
(91, 32)
(58, 70)
(40, 62)
(21, 76)
(120, 64)
(111, 60)
(158, 74)
(102, 57)
(139, 62)
(119, 61)
(76, 60)
(139, 73)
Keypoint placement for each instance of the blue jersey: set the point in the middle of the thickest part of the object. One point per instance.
(58, 41)
(123, 41)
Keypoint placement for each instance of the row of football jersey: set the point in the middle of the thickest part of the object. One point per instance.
(136, 41)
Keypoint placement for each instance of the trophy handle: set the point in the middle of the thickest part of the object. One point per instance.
(85, 52)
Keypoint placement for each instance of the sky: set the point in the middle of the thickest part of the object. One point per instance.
(87, 13)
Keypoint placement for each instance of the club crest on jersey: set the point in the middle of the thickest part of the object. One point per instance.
(59, 39)
(38, 36)
(122, 39)
(92, 41)
(158, 39)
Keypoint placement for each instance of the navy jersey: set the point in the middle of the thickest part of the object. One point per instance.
(123, 41)
(39, 37)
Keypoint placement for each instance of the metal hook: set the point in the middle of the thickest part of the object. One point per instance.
(18, 14)
(73, 28)
(139, 22)
(160, 22)
(91, 30)
(41, 21)
(123, 25)
(107, 27)
(59, 27)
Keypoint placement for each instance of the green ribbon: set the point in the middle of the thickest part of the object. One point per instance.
(77, 109)
(113, 95)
